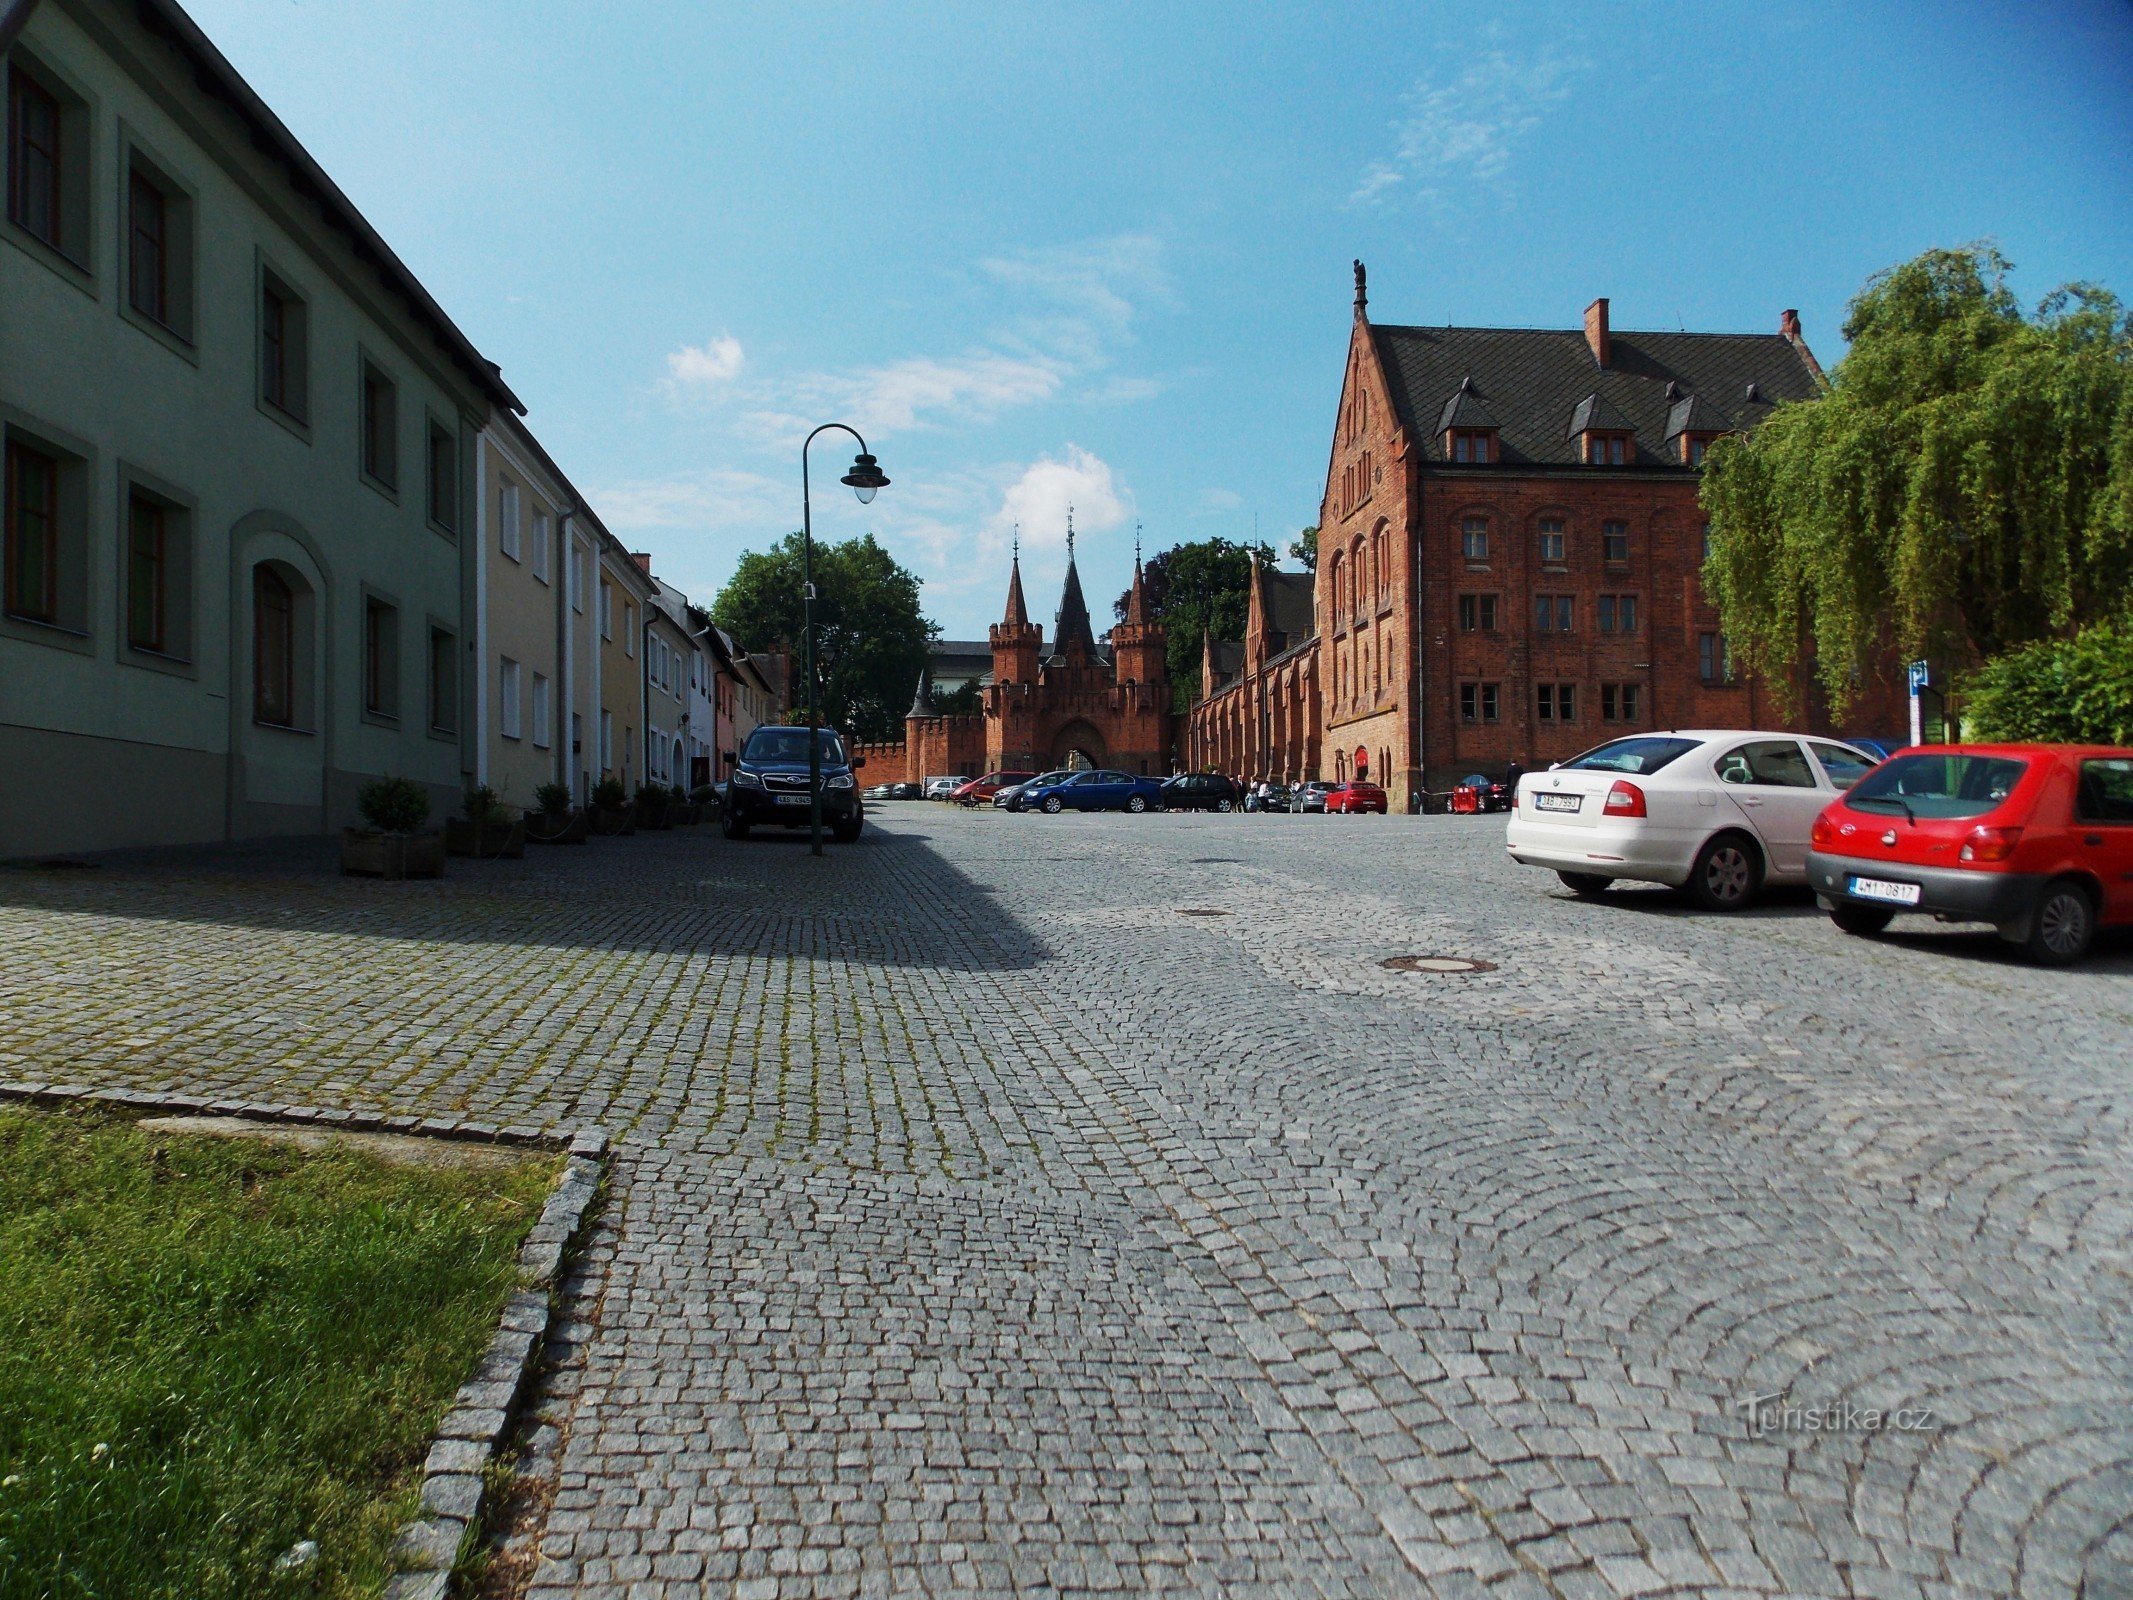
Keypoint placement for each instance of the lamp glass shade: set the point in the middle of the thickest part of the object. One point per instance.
(866, 478)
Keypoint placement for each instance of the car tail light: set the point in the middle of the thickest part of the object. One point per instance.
(1624, 800)
(1990, 844)
(1823, 835)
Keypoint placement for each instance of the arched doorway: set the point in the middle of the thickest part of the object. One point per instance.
(1078, 745)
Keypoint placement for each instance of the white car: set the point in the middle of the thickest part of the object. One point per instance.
(1718, 813)
(943, 788)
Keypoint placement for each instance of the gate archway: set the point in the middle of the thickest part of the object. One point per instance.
(1078, 745)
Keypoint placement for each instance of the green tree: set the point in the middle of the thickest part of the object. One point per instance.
(1964, 486)
(1304, 548)
(870, 640)
(1193, 589)
(964, 700)
(2061, 691)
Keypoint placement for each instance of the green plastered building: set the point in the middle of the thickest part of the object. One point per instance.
(241, 562)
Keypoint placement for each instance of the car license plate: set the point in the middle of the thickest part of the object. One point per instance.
(1898, 894)
(792, 799)
(1557, 802)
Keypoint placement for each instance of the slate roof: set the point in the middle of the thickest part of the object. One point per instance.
(1596, 413)
(1072, 625)
(1695, 414)
(1533, 380)
(1291, 610)
(958, 660)
(1465, 410)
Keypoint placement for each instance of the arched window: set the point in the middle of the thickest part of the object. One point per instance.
(273, 649)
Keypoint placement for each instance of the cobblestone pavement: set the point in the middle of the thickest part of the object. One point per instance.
(982, 1223)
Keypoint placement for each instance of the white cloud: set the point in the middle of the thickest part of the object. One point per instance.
(717, 501)
(1465, 130)
(705, 366)
(1038, 501)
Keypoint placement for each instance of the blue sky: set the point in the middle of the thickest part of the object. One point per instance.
(1099, 253)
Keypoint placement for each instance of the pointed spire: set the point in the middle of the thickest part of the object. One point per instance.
(1017, 612)
(1072, 625)
(922, 702)
(1137, 598)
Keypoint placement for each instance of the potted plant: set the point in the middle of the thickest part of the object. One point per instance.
(611, 809)
(485, 830)
(652, 806)
(394, 845)
(556, 820)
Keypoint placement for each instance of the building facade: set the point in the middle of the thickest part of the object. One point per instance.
(1510, 549)
(238, 438)
(520, 610)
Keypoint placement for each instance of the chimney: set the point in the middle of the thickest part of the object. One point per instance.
(643, 558)
(1789, 324)
(1596, 329)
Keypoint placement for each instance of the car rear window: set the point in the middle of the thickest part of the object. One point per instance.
(1939, 786)
(1638, 757)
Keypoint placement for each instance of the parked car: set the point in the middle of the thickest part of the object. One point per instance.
(1011, 798)
(980, 791)
(1201, 791)
(1309, 796)
(1477, 792)
(1268, 797)
(2034, 839)
(1102, 790)
(880, 791)
(906, 791)
(1879, 748)
(1353, 799)
(943, 788)
(1718, 813)
(770, 784)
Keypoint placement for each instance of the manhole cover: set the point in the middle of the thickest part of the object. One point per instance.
(1200, 911)
(1436, 964)
(1216, 861)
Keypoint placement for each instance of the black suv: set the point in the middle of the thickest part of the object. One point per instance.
(769, 784)
(1201, 791)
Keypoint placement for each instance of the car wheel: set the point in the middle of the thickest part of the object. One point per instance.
(1137, 803)
(1225, 805)
(2063, 925)
(1052, 807)
(847, 832)
(1728, 871)
(1862, 922)
(732, 826)
(1586, 885)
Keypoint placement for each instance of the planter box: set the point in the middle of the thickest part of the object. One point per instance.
(484, 840)
(572, 828)
(653, 816)
(687, 816)
(611, 820)
(371, 854)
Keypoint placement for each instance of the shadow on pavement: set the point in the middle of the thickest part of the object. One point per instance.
(889, 899)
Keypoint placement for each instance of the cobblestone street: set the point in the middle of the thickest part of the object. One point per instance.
(1078, 1205)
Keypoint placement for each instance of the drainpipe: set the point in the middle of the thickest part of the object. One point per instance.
(644, 691)
(560, 711)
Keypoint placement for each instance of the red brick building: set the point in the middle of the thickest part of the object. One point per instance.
(1509, 550)
(1084, 704)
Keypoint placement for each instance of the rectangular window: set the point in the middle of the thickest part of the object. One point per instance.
(1606, 449)
(1614, 543)
(381, 427)
(542, 713)
(507, 529)
(381, 657)
(443, 478)
(1714, 660)
(1474, 538)
(1620, 702)
(577, 577)
(32, 534)
(1696, 449)
(1553, 542)
(1706, 541)
(1477, 702)
(284, 353)
(444, 681)
(1471, 447)
(507, 709)
(1554, 613)
(607, 610)
(1618, 613)
(147, 574)
(629, 629)
(541, 536)
(147, 255)
(607, 739)
(273, 649)
(1557, 702)
(36, 159)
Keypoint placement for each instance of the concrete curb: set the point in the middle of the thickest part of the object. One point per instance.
(488, 1404)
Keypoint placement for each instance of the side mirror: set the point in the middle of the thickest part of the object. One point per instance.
(858, 762)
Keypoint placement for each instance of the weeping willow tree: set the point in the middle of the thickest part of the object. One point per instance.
(1964, 486)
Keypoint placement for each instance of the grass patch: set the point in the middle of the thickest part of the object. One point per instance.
(212, 1348)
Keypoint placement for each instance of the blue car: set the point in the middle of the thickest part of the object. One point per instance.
(1096, 791)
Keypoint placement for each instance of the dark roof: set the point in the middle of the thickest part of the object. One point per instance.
(1229, 661)
(1072, 626)
(219, 80)
(959, 658)
(1465, 410)
(1533, 380)
(1291, 605)
(922, 702)
(1694, 414)
(1597, 412)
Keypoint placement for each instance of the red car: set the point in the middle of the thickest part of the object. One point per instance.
(979, 791)
(1355, 798)
(2036, 839)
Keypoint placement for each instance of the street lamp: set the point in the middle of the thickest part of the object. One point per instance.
(865, 480)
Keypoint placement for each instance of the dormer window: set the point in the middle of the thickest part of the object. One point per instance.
(1693, 446)
(1471, 446)
(1608, 449)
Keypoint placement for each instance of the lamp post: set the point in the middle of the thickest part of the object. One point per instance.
(865, 480)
